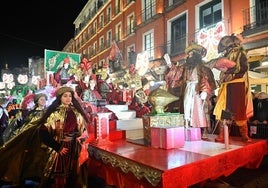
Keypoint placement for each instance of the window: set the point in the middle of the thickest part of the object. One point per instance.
(109, 38)
(101, 21)
(101, 63)
(84, 37)
(148, 9)
(117, 6)
(148, 43)
(85, 52)
(130, 24)
(210, 13)
(132, 55)
(178, 34)
(261, 12)
(118, 32)
(89, 31)
(94, 27)
(80, 42)
(171, 2)
(89, 51)
(108, 12)
(95, 48)
(101, 43)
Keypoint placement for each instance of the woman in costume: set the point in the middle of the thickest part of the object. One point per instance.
(61, 125)
(47, 149)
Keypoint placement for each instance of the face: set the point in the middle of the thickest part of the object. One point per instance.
(66, 98)
(41, 102)
(92, 84)
(193, 58)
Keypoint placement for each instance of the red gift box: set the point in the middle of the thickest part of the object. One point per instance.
(167, 138)
(112, 125)
(117, 135)
(192, 134)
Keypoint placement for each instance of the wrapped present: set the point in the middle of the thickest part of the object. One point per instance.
(160, 120)
(117, 135)
(112, 125)
(102, 125)
(167, 138)
(192, 134)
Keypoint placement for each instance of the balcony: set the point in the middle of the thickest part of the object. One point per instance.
(256, 19)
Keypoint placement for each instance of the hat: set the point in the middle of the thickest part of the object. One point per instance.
(202, 50)
(38, 96)
(64, 89)
(227, 42)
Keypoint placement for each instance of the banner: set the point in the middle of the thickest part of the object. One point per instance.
(55, 59)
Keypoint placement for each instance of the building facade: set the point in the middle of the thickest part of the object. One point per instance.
(168, 26)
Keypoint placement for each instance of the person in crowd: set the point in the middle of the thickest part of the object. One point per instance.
(26, 114)
(4, 118)
(47, 149)
(260, 106)
(234, 94)
(199, 88)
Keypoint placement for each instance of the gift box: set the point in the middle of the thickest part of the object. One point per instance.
(192, 134)
(167, 138)
(117, 135)
(112, 125)
(160, 120)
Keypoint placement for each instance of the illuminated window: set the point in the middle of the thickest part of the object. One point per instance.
(130, 24)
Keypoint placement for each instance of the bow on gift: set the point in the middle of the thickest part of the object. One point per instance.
(85, 65)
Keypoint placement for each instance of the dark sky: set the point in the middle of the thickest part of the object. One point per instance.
(28, 27)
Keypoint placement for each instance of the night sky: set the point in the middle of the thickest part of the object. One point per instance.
(29, 27)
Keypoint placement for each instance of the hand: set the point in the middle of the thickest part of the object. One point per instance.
(223, 69)
(203, 95)
(63, 151)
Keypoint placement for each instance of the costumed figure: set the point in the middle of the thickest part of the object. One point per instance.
(47, 149)
(234, 95)
(172, 78)
(62, 76)
(26, 114)
(199, 87)
(91, 94)
(138, 104)
(61, 125)
(104, 85)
